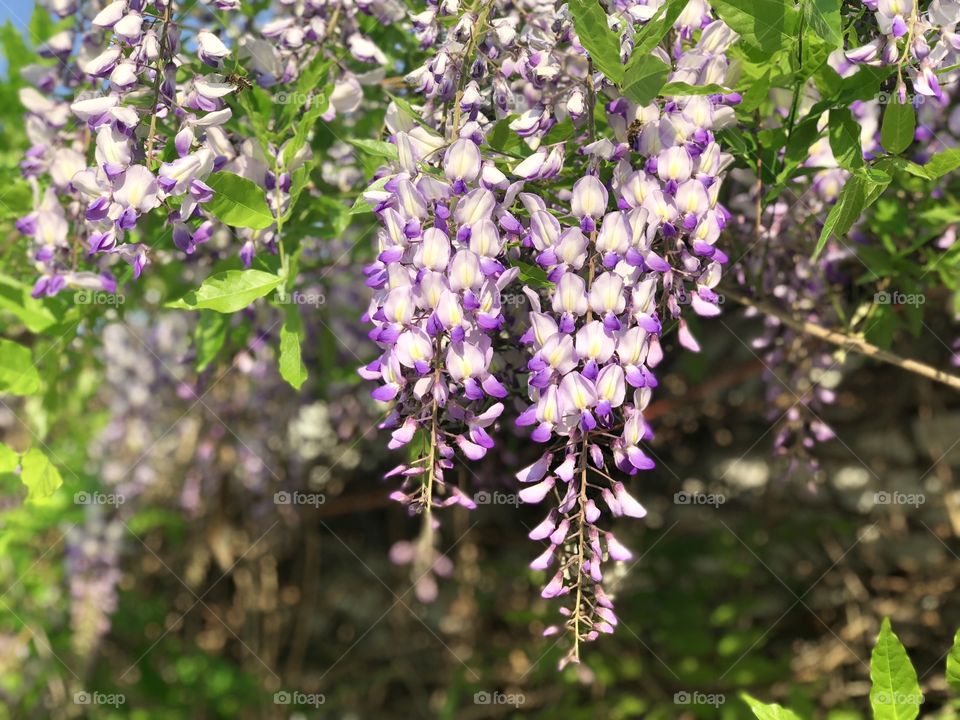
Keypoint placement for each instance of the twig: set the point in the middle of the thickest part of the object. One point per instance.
(157, 83)
(476, 33)
(849, 342)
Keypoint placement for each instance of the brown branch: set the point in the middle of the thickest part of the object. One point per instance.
(848, 342)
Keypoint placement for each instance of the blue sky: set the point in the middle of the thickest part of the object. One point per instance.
(16, 11)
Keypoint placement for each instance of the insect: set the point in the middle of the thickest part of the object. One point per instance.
(633, 132)
(240, 81)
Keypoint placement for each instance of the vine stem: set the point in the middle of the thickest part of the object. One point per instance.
(426, 493)
(581, 546)
(157, 82)
(475, 34)
(582, 501)
(848, 342)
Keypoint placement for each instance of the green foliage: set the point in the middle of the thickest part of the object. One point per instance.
(18, 375)
(845, 139)
(209, 337)
(860, 191)
(895, 693)
(953, 664)
(292, 368)
(602, 43)
(39, 474)
(239, 202)
(645, 76)
(9, 459)
(823, 17)
(229, 291)
(763, 711)
(899, 124)
(765, 26)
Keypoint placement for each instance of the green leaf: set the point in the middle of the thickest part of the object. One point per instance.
(319, 102)
(42, 26)
(762, 24)
(657, 27)
(844, 213)
(876, 183)
(824, 17)
(754, 84)
(863, 187)
(360, 205)
(9, 459)
(17, 199)
(406, 108)
(39, 474)
(561, 132)
(895, 693)
(805, 133)
(375, 148)
(602, 43)
(942, 163)
(672, 89)
(533, 275)
(238, 202)
(845, 139)
(764, 711)
(502, 139)
(257, 105)
(740, 144)
(899, 124)
(14, 50)
(291, 364)
(882, 327)
(953, 659)
(312, 76)
(209, 337)
(229, 291)
(33, 313)
(18, 375)
(644, 77)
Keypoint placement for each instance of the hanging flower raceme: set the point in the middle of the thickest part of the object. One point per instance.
(618, 275)
(922, 42)
(589, 381)
(436, 313)
(127, 52)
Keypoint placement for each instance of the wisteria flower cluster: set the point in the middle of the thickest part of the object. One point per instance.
(131, 118)
(620, 252)
(921, 42)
